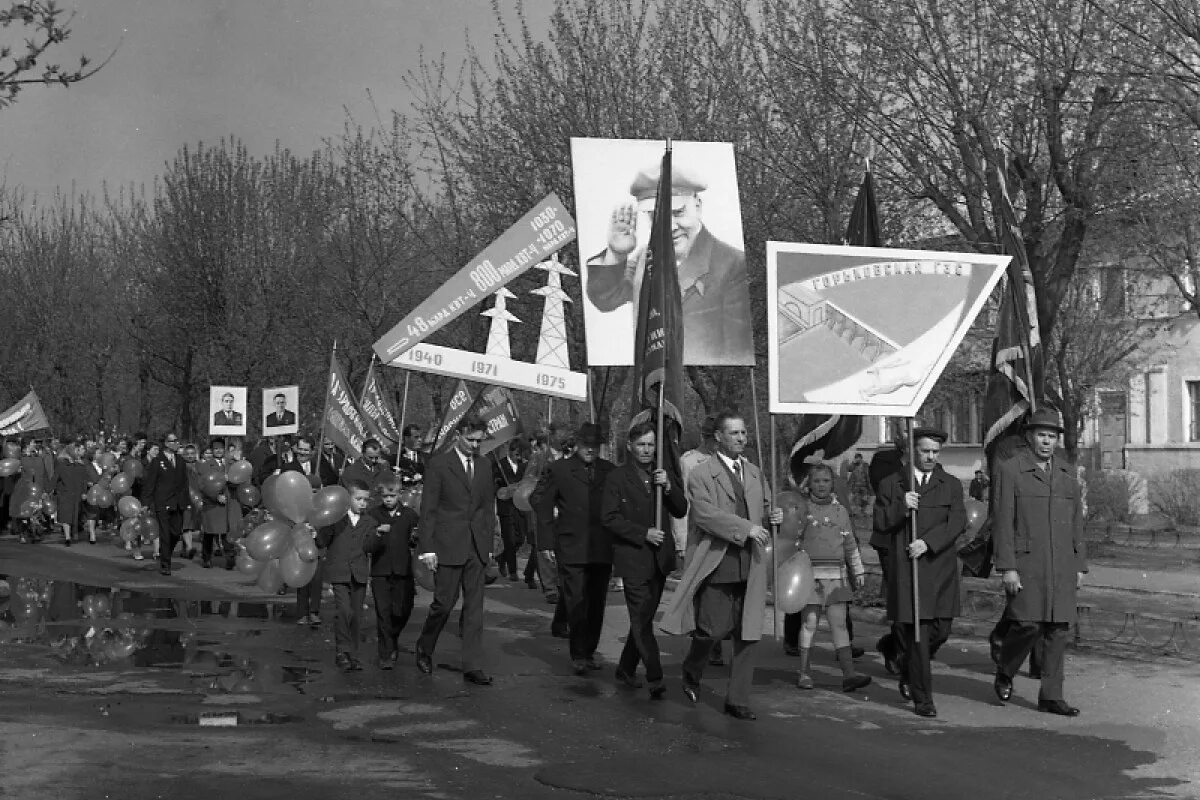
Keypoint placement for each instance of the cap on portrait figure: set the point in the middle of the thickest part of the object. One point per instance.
(684, 183)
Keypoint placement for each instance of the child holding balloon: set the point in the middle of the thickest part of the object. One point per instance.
(347, 571)
(827, 536)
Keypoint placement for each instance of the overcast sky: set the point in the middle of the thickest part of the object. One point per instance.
(198, 70)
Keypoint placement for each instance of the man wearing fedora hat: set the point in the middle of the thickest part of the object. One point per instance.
(712, 274)
(937, 497)
(1037, 528)
(568, 501)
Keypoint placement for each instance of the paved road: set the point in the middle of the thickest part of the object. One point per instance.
(127, 730)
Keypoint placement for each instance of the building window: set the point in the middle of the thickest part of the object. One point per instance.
(1193, 388)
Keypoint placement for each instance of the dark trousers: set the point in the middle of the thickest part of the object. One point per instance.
(347, 615)
(641, 599)
(208, 545)
(308, 596)
(448, 582)
(718, 616)
(583, 590)
(170, 531)
(913, 658)
(1018, 639)
(512, 533)
(393, 606)
(792, 623)
(998, 634)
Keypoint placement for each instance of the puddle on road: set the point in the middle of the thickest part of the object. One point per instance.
(216, 645)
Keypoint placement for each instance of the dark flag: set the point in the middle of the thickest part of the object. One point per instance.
(658, 346)
(1016, 383)
(497, 410)
(381, 421)
(27, 415)
(344, 422)
(833, 434)
(456, 408)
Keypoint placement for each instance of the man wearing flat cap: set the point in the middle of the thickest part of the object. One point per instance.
(1037, 529)
(712, 274)
(568, 502)
(937, 497)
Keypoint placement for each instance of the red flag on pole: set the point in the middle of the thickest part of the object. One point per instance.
(456, 408)
(344, 423)
(1016, 383)
(378, 410)
(833, 434)
(658, 353)
(26, 415)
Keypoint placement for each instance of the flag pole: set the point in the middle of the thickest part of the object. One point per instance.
(912, 535)
(774, 487)
(403, 412)
(659, 450)
(324, 413)
(774, 532)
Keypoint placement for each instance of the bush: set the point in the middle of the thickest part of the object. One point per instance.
(1176, 494)
(1108, 494)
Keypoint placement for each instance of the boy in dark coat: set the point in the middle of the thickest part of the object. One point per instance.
(347, 571)
(391, 568)
(937, 498)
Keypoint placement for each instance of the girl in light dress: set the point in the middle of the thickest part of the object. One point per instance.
(827, 536)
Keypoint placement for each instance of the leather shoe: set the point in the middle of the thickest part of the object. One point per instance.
(657, 691)
(593, 664)
(691, 692)
(477, 677)
(579, 666)
(855, 682)
(424, 662)
(1003, 687)
(164, 570)
(632, 681)
(739, 712)
(925, 710)
(905, 692)
(1059, 707)
(889, 659)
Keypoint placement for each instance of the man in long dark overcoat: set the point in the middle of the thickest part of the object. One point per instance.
(1037, 527)
(937, 497)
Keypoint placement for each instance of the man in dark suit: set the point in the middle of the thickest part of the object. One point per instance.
(574, 488)
(226, 416)
(712, 274)
(643, 549)
(411, 461)
(368, 468)
(458, 519)
(937, 497)
(165, 493)
(281, 417)
(508, 469)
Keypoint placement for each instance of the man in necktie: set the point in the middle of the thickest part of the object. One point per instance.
(458, 518)
(568, 501)
(937, 497)
(411, 462)
(723, 590)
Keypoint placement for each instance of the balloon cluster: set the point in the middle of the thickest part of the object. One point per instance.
(281, 549)
(138, 523)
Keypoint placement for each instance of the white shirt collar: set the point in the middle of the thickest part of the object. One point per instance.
(730, 462)
(353, 516)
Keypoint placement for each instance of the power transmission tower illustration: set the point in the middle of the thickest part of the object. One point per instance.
(497, 342)
(552, 340)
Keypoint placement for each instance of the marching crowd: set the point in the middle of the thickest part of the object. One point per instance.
(455, 521)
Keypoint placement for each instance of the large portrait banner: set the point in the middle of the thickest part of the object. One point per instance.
(867, 330)
(227, 410)
(616, 181)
